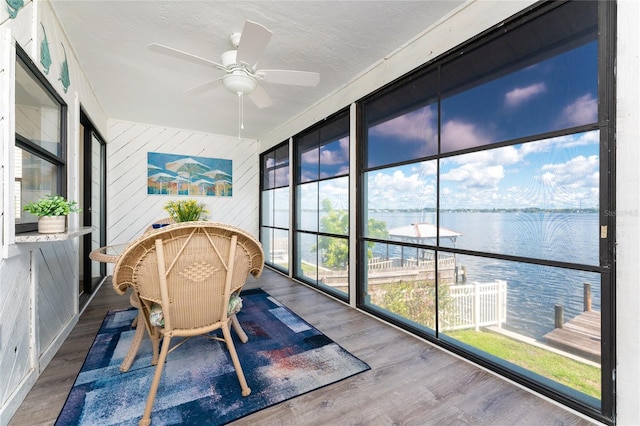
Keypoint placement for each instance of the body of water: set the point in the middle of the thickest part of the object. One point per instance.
(532, 290)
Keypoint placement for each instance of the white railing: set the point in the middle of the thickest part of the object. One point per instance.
(476, 305)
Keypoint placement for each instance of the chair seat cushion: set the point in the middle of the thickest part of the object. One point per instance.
(156, 317)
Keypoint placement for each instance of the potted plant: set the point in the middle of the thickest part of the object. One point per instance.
(52, 212)
(186, 210)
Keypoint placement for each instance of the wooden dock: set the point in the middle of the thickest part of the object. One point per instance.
(580, 336)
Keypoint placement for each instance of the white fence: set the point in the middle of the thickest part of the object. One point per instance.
(476, 305)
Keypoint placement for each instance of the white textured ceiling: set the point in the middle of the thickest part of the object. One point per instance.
(338, 39)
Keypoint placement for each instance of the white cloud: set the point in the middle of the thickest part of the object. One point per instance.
(399, 190)
(341, 155)
(583, 110)
(573, 183)
(459, 135)
(416, 125)
(310, 156)
(522, 94)
(578, 170)
(475, 175)
(506, 177)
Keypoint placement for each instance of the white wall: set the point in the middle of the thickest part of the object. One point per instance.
(131, 209)
(38, 282)
(628, 213)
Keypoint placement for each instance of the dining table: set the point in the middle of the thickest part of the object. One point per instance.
(108, 254)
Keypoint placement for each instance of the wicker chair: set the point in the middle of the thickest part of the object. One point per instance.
(140, 331)
(153, 334)
(191, 270)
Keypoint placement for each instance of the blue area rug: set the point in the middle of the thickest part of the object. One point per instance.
(284, 357)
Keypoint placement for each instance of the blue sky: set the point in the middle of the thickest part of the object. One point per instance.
(553, 173)
(553, 94)
(559, 92)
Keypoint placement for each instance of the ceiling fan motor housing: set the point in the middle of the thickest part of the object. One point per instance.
(239, 82)
(229, 58)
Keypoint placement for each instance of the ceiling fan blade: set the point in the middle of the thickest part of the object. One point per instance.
(204, 87)
(166, 50)
(260, 97)
(253, 40)
(294, 78)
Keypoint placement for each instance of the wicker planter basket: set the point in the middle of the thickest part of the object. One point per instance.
(52, 224)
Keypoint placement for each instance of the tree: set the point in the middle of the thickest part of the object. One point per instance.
(414, 300)
(335, 251)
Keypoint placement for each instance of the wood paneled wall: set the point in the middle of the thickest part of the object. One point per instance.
(130, 209)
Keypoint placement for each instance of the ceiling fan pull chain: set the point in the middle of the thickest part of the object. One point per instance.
(240, 113)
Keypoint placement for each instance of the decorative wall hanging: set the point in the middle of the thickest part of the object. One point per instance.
(64, 71)
(45, 57)
(171, 174)
(13, 6)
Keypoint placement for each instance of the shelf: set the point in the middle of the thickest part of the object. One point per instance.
(35, 237)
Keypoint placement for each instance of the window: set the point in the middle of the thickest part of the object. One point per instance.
(483, 203)
(322, 205)
(40, 140)
(485, 189)
(274, 206)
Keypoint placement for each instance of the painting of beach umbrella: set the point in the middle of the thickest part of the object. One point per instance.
(202, 184)
(162, 178)
(188, 167)
(223, 187)
(217, 174)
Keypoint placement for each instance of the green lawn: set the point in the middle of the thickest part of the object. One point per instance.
(581, 377)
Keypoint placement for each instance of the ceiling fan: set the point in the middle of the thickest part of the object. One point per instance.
(241, 75)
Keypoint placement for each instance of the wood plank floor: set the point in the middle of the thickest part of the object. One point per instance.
(411, 382)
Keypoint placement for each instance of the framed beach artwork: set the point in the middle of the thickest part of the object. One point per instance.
(171, 174)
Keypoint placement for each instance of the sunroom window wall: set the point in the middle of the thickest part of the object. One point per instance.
(482, 203)
(275, 207)
(321, 155)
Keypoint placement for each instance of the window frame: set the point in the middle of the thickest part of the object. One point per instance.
(298, 232)
(29, 146)
(605, 125)
(267, 188)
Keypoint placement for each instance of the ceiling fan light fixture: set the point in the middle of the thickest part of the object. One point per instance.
(239, 82)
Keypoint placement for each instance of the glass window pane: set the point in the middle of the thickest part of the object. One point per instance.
(281, 207)
(282, 166)
(525, 200)
(333, 255)
(538, 78)
(37, 112)
(334, 158)
(281, 248)
(402, 124)
(410, 136)
(307, 202)
(275, 167)
(511, 310)
(308, 164)
(267, 208)
(307, 255)
(37, 179)
(400, 196)
(400, 281)
(334, 206)
(268, 170)
(266, 240)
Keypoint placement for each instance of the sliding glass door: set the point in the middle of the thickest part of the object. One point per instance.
(92, 199)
